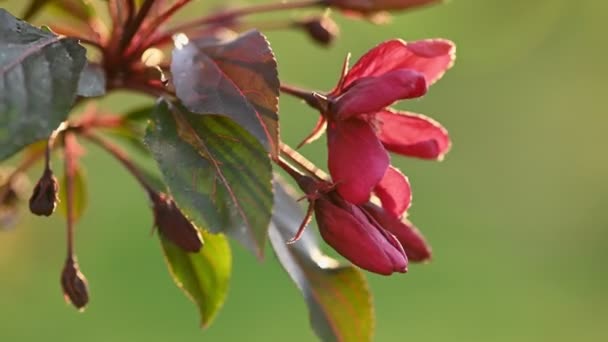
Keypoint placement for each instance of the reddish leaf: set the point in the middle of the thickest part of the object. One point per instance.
(236, 78)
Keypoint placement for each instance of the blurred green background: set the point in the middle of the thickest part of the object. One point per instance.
(516, 213)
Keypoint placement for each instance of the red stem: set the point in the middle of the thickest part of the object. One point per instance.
(231, 14)
(70, 146)
(307, 95)
(149, 29)
(302, 163)
(133, 26)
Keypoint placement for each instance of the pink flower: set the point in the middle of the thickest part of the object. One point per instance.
(361, 127)
(415, 246)
(352, 231)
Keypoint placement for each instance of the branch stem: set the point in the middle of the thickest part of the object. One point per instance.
(71, 160)
(123, 158)
(302, 163)
(228, 15)
(133, 26)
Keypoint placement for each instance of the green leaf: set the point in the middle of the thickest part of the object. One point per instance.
(92, 82)
(219, 175)
(204, 276)
(339, 302)
(80, 195)
(39, 75)
(236, 78)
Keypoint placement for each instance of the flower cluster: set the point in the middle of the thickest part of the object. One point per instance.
(361, 130)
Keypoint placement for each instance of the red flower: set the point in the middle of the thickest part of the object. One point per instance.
(361, 128)
(414, 244)
(352, 231)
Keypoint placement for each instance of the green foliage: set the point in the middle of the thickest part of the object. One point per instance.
(219, 175)
(92, 82)
(203, 276)
(39, 76)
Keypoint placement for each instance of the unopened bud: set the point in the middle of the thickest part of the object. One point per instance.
(174, 225)
(44, 197)
(323, 30)
(74, 284)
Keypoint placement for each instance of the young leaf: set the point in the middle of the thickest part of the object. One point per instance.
(92, 82)
(203, 276)
(237, 78)
(339, 301)
(80, 195)
(219, 175)
(39, 75)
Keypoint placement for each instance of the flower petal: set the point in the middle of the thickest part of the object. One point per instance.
(359, 240)
(371, 94)
(394, 192)
(432, 57)
(357, 160)
(413, 242)
(412, 134)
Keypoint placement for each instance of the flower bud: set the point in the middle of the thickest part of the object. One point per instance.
(44, 196)
(373, 6)
(357, 237)
(323, 30)
(409, 236)
(74, 284)
(174, 225)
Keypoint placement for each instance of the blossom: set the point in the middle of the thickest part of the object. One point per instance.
(362, 128)
(415, 246)
(353, 232)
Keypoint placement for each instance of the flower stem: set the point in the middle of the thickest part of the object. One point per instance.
(230, 15)
(307, 95)
(302, 163)
(70, 150)
(133, 26)
(149, 29)
(50, 143)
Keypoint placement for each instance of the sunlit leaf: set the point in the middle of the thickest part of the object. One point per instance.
(203, 276)
(236, 78)
(80, 199)
(219, 175)
(338, 298)
(39, 75)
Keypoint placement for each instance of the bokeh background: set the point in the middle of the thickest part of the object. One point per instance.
(516, 213)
